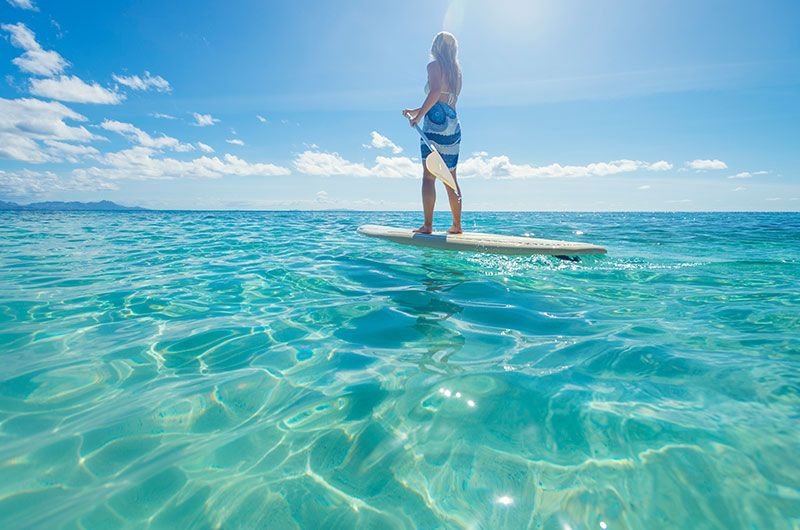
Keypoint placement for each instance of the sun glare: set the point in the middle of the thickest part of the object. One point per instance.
(506, 19)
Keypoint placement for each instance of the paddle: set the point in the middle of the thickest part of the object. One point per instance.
(436, 165)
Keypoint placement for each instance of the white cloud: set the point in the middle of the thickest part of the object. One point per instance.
(23, 4)
(235, 141)
(26, 183)
(70, 152)
(396, 167)
(501, 167)
(23, 148)
(203, 120)
(480, 165)
(261, 118)
(136, 135)
(146, 82)
(328, 164)
(74, 89)
(707, 164)
(378, 141)
(739, 188)
(162, 116)
(21, 36)
(772, 199)
(42, 119)
(747, 174)
(644, 187)
(205, 147)
(35, 60)
(26, 122)
(141, 163)
(41, 62)
(332, 164)
(661, 165)
(322, 196)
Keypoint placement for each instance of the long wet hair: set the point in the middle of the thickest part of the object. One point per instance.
(445, 51)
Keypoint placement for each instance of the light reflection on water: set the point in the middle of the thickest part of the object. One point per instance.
(207, 370)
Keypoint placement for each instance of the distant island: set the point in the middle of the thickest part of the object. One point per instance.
(100, 206)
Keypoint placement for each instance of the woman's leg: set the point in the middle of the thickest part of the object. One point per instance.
(455, 206)
(428, 200)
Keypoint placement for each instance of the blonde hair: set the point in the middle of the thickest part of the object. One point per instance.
(445, 51)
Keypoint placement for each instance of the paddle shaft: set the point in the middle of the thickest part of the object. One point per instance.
(424, 138)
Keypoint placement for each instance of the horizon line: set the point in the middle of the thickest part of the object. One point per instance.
(136, 209)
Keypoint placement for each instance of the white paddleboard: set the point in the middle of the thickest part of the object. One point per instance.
(477, 242)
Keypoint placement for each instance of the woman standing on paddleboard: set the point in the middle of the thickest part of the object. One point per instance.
(440, 125)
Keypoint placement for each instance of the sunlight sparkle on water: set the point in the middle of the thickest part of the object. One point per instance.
(505, 500)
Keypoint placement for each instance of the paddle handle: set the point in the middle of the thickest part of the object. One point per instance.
(419, 130)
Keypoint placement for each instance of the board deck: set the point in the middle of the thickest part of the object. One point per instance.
(478, 242)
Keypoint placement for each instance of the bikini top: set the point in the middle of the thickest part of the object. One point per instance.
(451, 96)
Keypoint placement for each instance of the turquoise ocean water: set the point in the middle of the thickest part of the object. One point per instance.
(277, 370)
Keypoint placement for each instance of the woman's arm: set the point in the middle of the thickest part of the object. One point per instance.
(435, 91)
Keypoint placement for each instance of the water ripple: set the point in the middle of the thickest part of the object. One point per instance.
(236, 369)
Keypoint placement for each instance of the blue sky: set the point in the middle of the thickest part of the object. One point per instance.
(567, 105)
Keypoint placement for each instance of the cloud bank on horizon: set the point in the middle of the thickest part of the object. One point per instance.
(61, 136)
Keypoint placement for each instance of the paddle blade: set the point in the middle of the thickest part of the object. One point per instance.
(438, 168)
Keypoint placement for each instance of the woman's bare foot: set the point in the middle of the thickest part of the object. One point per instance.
(455, 230)
(424, 229)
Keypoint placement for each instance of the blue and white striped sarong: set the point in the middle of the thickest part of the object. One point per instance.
(443, 130)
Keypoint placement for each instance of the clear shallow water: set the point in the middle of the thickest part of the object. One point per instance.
(277, 370)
